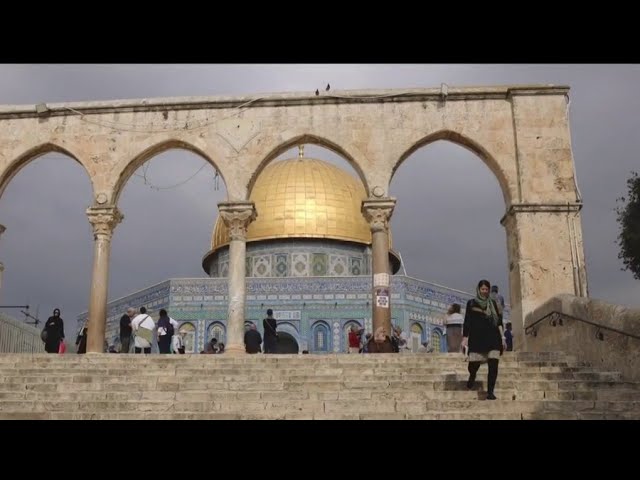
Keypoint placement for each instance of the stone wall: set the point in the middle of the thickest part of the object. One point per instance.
(603, 348)
(18, 337)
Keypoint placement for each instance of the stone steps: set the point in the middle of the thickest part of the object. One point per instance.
(32, 376)
(321, 416)
(399, 395)
(176, 384)
(336, 409)
(547, 385)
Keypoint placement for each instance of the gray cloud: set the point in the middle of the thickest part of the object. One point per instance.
(446, 195)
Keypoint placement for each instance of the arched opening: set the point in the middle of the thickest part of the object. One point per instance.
(170, 205)
(218, 331)
(327, 150)
(446, 220)
(312, 197)
(47, 248)
(190, 337)
(416, 337)
(346, 329)
(436, 341)
(287, 343)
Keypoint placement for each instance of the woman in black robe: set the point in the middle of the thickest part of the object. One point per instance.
(55, 332)
(483, 335)
(165, 332)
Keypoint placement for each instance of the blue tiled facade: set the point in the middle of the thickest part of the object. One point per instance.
(315, 311)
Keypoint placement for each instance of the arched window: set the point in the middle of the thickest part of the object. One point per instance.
(436, 341)
(190, 337)
(320, 337)
(346, 330)
(416, 337)
(217, 330)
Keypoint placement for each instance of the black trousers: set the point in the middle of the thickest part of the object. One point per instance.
(125, 344)
(492, 376)
(270, 345)
(164, 344)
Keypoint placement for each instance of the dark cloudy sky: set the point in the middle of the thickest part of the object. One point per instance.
(446, 223)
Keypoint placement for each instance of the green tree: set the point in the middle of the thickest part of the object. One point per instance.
(628, 211)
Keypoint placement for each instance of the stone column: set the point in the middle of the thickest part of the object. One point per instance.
(103, 220)
(2, 230)
(237, 216)
(546, 257)
(378, 213)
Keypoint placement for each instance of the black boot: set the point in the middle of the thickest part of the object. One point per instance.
(473, 369)
(491, 378)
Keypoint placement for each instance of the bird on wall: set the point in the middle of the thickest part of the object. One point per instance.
(328, 87)
(317, 92)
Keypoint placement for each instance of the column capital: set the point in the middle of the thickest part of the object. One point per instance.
(104, 220)
(378, 212)
(237, 216)
(516, 208)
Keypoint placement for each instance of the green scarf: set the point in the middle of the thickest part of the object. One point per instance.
(487, 305)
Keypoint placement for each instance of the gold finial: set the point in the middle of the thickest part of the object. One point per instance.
(301, 151)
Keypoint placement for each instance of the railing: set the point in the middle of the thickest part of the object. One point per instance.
(17, 337)
(557, 318)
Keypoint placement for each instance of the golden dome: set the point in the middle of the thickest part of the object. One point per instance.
(304, 198)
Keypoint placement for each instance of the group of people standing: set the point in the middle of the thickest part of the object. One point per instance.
(253, 341)
(142, 328)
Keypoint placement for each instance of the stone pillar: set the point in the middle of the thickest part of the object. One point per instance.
(546, 257)
(378, 213)
(2, 230)
(103, 220)
(237, 216)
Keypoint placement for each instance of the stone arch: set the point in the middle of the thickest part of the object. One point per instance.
(289, 328)
(473, 146)
(157, 148)
(355, 160)
(22, 160)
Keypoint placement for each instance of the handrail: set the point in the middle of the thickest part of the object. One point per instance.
(556, 318)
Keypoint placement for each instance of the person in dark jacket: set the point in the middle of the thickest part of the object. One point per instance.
(270, 327)
(54, 328)
(483, 336)
(165, 332)
(252, 340)
(508, 336)
(125, 330)
(81, 341)
(211, 347)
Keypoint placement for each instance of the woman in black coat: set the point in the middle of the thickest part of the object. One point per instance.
(55, 332)
(483, 334)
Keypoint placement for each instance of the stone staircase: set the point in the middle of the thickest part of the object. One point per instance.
(385, 386)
